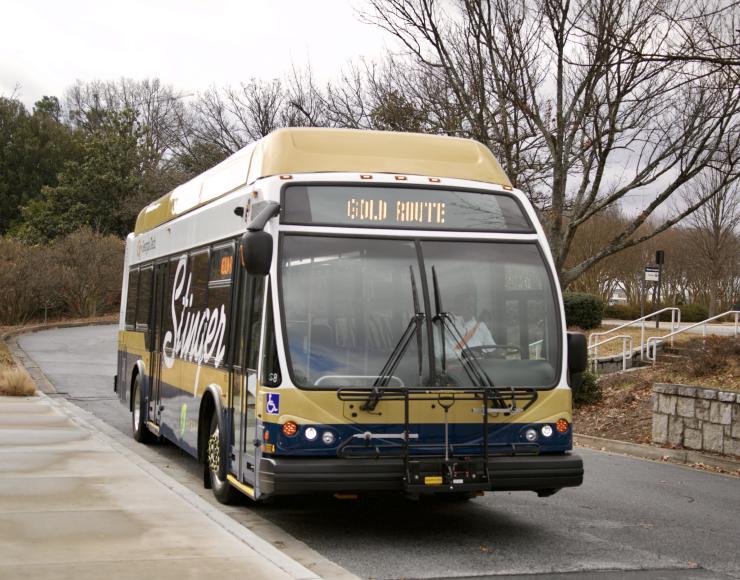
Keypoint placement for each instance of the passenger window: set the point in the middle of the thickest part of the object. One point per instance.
(199, 289)
(133, 285)
(220, 286)
(144, 298)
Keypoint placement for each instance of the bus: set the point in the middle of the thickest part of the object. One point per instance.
(343, 311)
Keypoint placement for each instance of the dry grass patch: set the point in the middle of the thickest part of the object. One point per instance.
(16, 382)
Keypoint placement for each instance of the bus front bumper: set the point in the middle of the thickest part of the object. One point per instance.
(291, 476)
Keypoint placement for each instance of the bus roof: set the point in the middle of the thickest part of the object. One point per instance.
(322, 150)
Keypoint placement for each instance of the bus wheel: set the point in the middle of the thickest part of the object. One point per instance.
(222, 489)
(138, 414)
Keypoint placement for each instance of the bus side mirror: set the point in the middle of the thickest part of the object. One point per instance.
(577, 353)
(255, 251)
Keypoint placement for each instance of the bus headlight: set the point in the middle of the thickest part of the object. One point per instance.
(327, 437)
(546, 431)
(310, 433)
(530, 435)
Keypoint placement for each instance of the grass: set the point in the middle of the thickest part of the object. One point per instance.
(14, 380)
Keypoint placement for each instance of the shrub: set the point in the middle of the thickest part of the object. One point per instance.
(588, 390)
(622, 311)
(15, 382)
(88, 271)
(583, 310)
(694, 313)
(711, 355)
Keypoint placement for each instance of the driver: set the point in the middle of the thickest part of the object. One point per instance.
(473, 332)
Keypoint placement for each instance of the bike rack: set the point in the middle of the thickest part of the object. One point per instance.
(456, 467)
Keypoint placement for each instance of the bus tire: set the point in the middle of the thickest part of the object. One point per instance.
(222, 489)
(138, 414)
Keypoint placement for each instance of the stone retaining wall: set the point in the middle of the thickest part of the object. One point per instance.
(697, 418)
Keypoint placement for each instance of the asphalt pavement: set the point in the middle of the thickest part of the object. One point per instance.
(631, 519)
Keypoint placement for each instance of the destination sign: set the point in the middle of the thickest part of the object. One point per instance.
(402, 207)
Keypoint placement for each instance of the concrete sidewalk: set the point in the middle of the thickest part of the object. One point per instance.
(75, 504)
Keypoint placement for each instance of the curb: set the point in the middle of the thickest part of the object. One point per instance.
(681, 456)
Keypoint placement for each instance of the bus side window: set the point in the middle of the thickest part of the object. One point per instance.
(133, 286)
(257, 293)
(169, 305)
(199, 289)
(144, 299)
(270, 364)
(220, 286)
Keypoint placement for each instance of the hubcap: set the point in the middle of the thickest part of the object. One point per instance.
(214, 455)
(137, 410)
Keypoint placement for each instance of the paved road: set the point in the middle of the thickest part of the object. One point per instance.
(631, 519)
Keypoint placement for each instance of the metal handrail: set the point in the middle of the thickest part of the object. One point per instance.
(626, 351)
(675, 323)
(656, 339)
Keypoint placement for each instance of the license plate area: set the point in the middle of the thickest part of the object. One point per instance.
(451, 475)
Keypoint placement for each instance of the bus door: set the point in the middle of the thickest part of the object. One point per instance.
(159, 288)
(244, 376)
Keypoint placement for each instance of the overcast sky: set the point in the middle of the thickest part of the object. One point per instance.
(45, 45)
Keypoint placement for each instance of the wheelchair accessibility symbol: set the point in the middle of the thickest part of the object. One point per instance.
(272, 406)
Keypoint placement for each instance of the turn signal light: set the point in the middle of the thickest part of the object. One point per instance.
(290, 428)
(562, 425)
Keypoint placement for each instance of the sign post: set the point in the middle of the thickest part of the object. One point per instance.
(659, 259)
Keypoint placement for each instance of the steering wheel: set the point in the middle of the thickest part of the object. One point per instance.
(485, 350)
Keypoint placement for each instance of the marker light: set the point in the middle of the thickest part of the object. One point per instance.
(311, 433)
(562, 425)
(546, 431)
(327, 437)
(290, 428)
(530, 435)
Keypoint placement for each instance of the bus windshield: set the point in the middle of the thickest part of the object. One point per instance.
(350, 305)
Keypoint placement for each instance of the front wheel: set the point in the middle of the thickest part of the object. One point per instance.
(222, 489)
(138, 413)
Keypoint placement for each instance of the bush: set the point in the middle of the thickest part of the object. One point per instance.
(89, 267)
(711, 355)
(588, 390)
(622, 311)
(78, 275)
(694, 312)
(583, 310)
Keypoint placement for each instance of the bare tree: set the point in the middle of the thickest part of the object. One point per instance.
(715, 240)
(571, 97)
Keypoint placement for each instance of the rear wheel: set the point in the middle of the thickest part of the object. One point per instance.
(138, 426)
(222, 489)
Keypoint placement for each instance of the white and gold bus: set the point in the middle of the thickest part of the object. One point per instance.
(350, 311)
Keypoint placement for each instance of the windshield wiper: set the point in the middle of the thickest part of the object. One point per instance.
(386, 373)
(476, 373)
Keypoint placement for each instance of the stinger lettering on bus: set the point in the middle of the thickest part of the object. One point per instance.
(198, 335)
